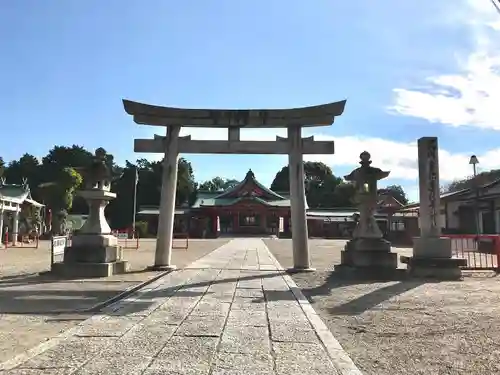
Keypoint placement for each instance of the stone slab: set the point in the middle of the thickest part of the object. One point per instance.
(245, 340)
(25, 371)
(432, 247)
(302, 358)
(434, 268)
(291, 333)
(91, 240)
(185, 354)
(367, 258)
(146, 338)
(90, 270)
(201, 326)
(92, 254)
(70, 353)
(254, 318)
(121, 363)
(106, 326)
(251, 364)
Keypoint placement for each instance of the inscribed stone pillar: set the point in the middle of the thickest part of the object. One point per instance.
(430, 243)
(432, 255)
(163, 255)
(298, 200)
(428, 175)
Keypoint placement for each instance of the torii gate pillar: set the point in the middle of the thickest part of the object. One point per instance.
(163, 253)
(294, 146)
(298, 200)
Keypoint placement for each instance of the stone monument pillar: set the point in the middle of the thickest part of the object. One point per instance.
(432, 256)
(367, 250)
(94, 251)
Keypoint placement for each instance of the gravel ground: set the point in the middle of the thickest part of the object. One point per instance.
(29, 303)
(404, 327)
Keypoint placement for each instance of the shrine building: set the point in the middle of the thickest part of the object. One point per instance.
(250, 208)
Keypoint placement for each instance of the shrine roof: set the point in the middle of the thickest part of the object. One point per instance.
(319, 115)
(17, 194)
(249, 189)
(225, 202)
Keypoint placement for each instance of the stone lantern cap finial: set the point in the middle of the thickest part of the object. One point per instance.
(365, 158)
(366, 173)
(98, 175)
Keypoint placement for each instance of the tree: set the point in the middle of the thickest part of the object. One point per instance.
(344, 195)
(395, 191)
(26, 167)
(59, 194)
(2, 167)
(482, 178)
(218, 184)
(320, 185)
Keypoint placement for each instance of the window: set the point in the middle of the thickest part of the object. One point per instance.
(249, 220)
(397, 226)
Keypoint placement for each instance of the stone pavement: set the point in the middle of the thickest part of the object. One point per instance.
(231, 312)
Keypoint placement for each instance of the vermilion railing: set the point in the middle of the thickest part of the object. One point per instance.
(30, 241)
(482, 252)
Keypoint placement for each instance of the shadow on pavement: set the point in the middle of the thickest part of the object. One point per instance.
(61, 301)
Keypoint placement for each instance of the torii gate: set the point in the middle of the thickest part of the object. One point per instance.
(294, 146)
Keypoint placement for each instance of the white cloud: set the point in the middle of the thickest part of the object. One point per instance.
(398, 157)
(469, 96)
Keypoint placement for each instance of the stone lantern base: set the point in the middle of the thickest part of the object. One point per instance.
(368, 254)
(92, 255)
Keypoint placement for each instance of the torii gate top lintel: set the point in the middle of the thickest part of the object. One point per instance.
(320, 115)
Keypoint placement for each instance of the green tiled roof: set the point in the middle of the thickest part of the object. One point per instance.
(250, 179)
(14, 193)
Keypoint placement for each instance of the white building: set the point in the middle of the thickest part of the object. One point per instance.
(12, 198)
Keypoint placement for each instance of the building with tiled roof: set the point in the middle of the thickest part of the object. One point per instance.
(12, 198)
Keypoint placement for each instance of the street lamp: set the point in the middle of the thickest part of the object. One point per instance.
(473, 161)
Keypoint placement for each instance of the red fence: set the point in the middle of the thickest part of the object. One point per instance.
(30, 241)
(481, 252)
(127, 239)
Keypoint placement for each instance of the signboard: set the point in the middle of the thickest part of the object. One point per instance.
(58, 244)
(122, 235)
(218, 224)
(282, 225)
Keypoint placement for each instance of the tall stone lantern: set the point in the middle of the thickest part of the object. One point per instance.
(367, 248)
(94, 250)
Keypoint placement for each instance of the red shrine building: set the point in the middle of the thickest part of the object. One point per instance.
(247, 208)
(250, 208)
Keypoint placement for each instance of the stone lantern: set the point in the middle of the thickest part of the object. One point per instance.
(367, 248)
(94, 250)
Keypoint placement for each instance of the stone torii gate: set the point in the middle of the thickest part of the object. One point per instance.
(294, 146)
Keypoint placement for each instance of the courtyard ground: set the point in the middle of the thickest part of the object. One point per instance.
(34, 308)
(404, 327)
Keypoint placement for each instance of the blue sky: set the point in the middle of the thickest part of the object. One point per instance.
(407, 69)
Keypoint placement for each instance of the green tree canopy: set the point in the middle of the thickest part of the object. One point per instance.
(395, 191)
(321, 186)
(482, 178)
(218, 184)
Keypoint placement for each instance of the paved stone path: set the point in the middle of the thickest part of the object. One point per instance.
(231, 312)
